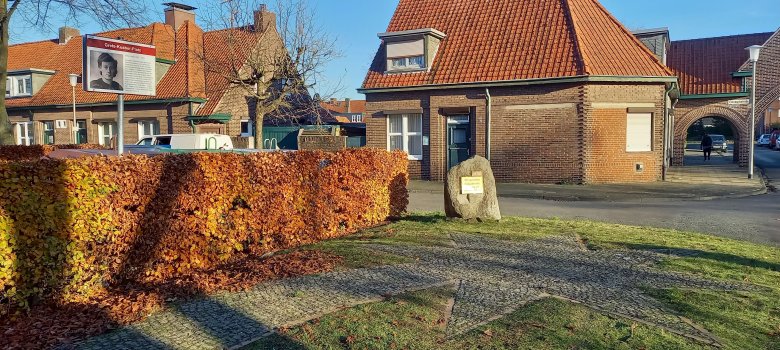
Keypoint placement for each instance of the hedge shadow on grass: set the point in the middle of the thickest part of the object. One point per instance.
(696, 253)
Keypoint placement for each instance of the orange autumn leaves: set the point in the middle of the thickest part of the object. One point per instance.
(69, 229)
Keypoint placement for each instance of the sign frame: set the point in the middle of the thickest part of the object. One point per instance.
(134, 66)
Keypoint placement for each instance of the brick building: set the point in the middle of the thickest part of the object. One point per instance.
(549, 91)
(192, 96)
(767, 83)
(714, 80)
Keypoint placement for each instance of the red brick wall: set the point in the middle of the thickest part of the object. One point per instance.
(529, 145)
(538, 132)
(606, 110)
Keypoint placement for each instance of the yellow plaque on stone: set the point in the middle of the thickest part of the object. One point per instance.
(472, 185)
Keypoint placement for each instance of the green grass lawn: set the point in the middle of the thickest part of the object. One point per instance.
(740, 320)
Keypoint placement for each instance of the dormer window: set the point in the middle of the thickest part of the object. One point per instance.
(25, 82)
(18, 86)
(411, 50)
(414, 62)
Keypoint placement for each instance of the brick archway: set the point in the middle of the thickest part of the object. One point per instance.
(738, 122)
(762, 105)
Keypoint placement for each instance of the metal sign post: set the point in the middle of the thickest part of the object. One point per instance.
(120, 125)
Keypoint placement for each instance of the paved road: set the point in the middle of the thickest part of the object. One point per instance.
(755, 219)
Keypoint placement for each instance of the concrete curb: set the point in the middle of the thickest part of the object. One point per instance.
(647, 197)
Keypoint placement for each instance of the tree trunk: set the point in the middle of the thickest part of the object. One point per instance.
(258, 125)
(6, 134)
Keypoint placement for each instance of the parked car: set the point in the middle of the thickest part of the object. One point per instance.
(763, 140)
(773, 139)
(719, 143)
(189, 141)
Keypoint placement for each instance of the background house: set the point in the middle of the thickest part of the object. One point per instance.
(192, 96)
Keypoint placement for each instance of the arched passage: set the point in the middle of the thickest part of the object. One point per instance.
(736, 121)
(720, 129)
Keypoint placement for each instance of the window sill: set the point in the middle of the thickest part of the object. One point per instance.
(415, 157)
(18, 96)
(406, 70)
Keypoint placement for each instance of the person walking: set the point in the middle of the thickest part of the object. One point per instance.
(706, 146)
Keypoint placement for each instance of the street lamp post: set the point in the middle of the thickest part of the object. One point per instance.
(74, 80)
(754, 50)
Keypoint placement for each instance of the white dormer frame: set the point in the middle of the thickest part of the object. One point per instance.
(26, 82)
(411, 50)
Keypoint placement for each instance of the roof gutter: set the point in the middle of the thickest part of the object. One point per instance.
(722, 95)
(526, 82)
(102, 104)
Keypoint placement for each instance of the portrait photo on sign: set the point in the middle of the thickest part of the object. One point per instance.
(105, 70)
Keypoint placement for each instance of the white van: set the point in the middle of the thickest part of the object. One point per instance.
(189, 141)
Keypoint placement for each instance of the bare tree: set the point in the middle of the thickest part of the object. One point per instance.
(39, 13)
(278, 73)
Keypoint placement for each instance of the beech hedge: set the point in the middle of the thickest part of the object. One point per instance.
(21, 153)
(72, 228)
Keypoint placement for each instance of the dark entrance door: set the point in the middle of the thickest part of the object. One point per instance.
(458, 140)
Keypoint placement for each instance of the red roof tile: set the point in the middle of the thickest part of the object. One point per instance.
(225, 51)
(502, 40)
(704, 66)
(355, 106)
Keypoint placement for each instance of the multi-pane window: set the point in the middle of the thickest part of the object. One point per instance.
(148, 128)
(81, 131)
(18, 86)
(356, 118)
(414, 62)
(48, 133)
(105, 133)
(404, 132)
(24, 133)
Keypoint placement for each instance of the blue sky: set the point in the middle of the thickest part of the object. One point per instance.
(355, 23)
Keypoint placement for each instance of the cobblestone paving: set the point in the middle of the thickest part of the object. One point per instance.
(494, 277)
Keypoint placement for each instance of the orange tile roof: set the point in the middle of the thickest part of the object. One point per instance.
(355, 106)
(186, 78)
(501, 40)
(704, 66)
(225, 51)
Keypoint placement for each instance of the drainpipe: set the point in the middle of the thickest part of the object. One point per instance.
(671, 131)
(190, 110)
(666, 132)
(487, 122)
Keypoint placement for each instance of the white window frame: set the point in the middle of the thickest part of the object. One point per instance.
(357, 118)
(249, 127)
(405, 133)
(155, 128)
(402, 63)
(102, 135)
(12, 86)
(645, 122)
(29, 137)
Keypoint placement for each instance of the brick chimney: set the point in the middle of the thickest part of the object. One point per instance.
(176, 14)
(264, 19)
(346, 102)
(67, 33)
